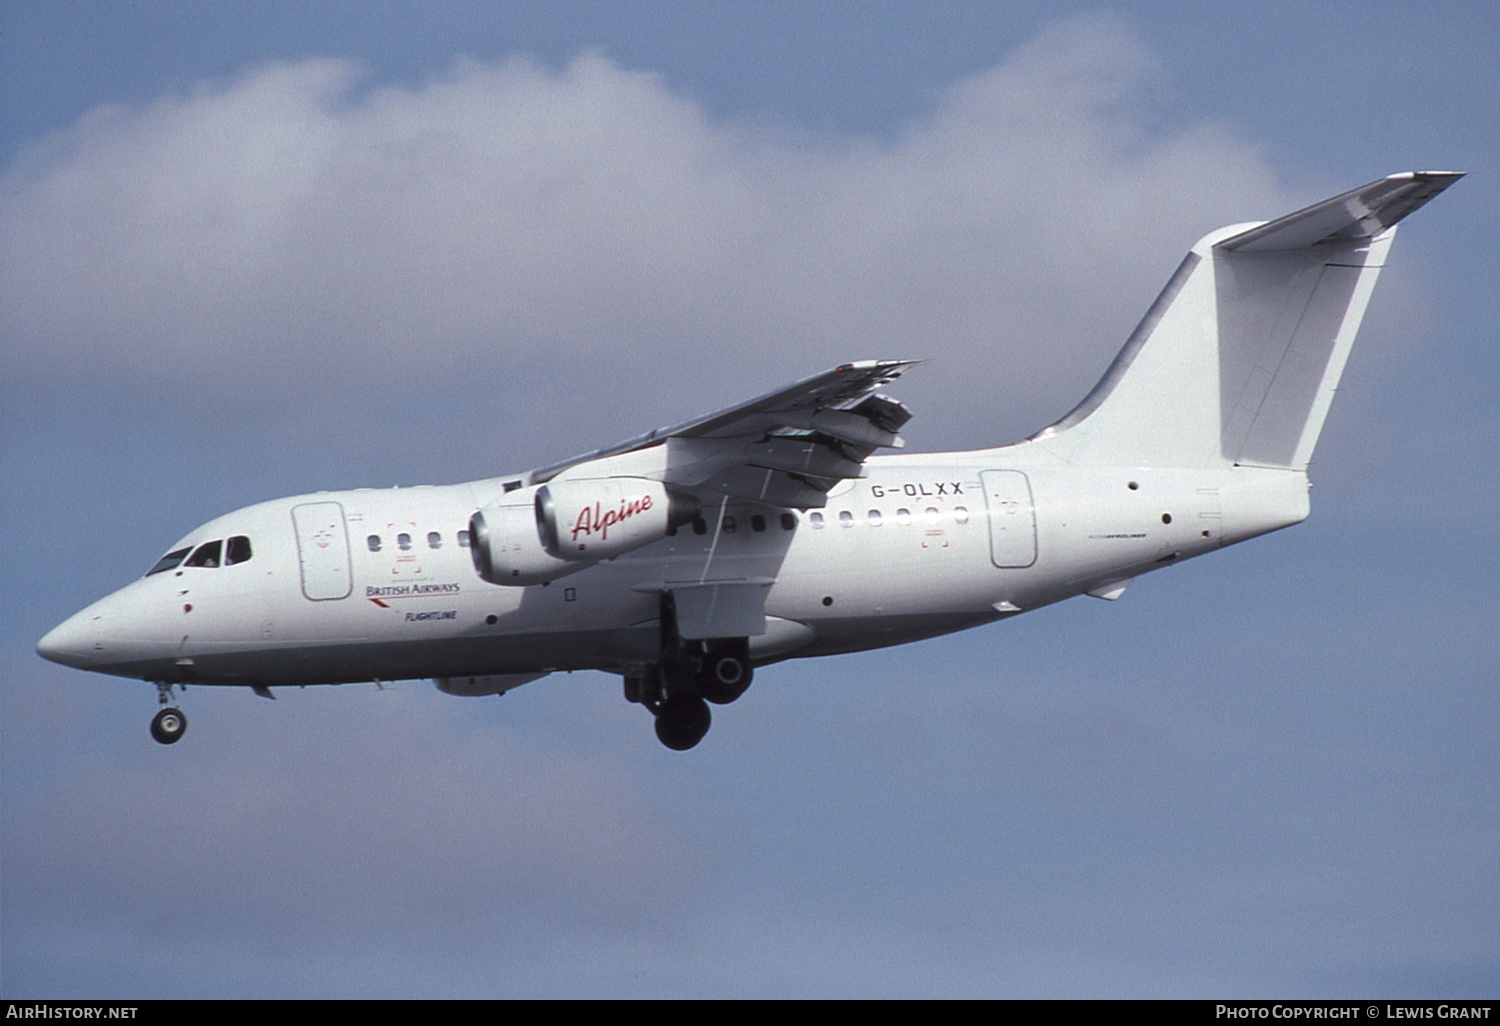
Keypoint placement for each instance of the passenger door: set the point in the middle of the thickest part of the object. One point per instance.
(1012, 517)
(323, 550)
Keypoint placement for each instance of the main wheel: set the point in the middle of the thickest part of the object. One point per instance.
(682, 721)
(724, 677)
(168, 726)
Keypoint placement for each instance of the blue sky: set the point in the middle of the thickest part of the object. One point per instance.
(252, 250)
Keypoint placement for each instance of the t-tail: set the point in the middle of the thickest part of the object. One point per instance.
(1236, 362)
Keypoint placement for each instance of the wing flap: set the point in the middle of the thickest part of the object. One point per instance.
(770, 487)
(805, 456)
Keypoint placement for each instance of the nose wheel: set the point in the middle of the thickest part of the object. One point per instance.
(168, 725)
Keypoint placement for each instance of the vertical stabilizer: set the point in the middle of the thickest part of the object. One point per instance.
(1238, 359)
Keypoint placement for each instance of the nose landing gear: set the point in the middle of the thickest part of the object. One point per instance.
(168, 725)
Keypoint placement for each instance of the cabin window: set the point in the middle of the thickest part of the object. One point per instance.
(403, 542)
(903, 516)
(463, 539)
(961, 514)
(788, 521)
(874, 517)
(169, 561)
(434, 540)
(817, 521)
(237, 550)
(757, 522)
(700, 526)
(207, 554)
(846, 519)
(373, 542)
(730, 526)
(933, 516)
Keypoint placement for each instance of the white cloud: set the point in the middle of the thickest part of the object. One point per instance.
(595, 234)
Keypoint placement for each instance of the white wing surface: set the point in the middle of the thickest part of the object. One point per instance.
(784, 448)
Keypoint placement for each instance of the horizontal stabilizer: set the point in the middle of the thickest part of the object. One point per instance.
(1356, 216)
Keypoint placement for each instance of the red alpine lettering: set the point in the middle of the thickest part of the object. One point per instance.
(595, 518)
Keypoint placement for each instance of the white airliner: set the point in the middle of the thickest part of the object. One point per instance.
(686, 557)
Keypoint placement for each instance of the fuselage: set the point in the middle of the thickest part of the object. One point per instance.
(370, 584)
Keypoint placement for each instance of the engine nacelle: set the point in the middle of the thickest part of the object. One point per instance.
(605, 517)
(507, 547)
(541, 534)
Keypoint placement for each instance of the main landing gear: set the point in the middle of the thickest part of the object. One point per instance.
(681, 721)
(690, 674)
(167, 726)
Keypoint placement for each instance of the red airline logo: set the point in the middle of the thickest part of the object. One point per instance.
(595, 518)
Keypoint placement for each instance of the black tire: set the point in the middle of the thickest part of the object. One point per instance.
(682, 721)
(168, 726)
(724, 677)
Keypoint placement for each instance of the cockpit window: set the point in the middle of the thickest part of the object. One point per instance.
(237, 550)
(169, 561)
(207, 554)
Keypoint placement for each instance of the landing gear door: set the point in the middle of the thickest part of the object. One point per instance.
(720, 609)
(323, 550)
(1012, 517)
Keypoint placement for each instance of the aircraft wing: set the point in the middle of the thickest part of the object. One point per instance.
(784, 448)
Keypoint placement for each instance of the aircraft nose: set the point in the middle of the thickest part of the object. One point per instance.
(73, 641)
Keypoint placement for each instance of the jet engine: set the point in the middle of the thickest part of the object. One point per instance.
(507, 548)
(559, 528)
